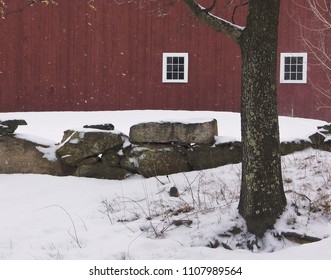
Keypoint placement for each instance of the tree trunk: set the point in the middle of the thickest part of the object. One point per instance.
(262, 198)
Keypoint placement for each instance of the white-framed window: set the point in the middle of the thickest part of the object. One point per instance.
(175, 68)
(293, 68)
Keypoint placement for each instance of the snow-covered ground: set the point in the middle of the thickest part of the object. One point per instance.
(45, 217)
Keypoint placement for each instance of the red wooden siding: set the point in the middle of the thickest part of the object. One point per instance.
(300, 100)
(69, 57)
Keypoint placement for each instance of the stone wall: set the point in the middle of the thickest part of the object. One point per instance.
(151, 149)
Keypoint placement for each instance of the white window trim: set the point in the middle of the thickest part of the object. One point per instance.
(164, 68)
(304, 70)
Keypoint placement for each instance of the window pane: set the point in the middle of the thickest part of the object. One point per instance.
(299, 76)
(293, 68)
(175, 76)
(293, 76)
(169, 60)
(175, 68)
(300, 60)
(169, 68)
(181, 68)
(287, 60)
(287, 76)
(300, 68)
(294, 60)
(169, 76)
(181, 76)
(175, 60)
(181, 60)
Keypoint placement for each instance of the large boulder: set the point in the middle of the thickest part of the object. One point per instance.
(204, 156)
(76, 146)
(23, 156)
(157, 159)
(200, 132)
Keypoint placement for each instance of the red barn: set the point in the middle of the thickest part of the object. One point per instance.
(125, 56)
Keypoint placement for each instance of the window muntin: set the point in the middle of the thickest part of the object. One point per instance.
(293, 68)
(175, 68)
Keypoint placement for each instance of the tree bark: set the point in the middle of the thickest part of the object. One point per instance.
(262, 197)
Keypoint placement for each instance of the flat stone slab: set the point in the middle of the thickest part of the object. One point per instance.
(197, 132)
(106, 126)
(9, 126)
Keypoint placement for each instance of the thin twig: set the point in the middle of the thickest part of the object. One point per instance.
(75, 236)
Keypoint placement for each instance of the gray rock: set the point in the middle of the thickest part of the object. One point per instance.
(174, 192)
(106, 126)
(89, 161)
(293, 146)
(23, 156)
(321, 139)
(155, 160)
(111, 158)
(326, 128)
(101, 171)
(9, 126)
(79, 145)
(326, 146)
(105, 166)
(176, 132)
(130, 163)
(204, 157)
(317, 139)
(151, 132)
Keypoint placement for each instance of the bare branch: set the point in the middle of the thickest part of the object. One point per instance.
(5, 9)
(209, 9)
(315, 35)
(5, 12)
(237, 7)
(322, 11)
(218, 24)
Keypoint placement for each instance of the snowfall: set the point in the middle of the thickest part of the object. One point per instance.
(70, 218)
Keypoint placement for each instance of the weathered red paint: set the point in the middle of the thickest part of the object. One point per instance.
(69, 57)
